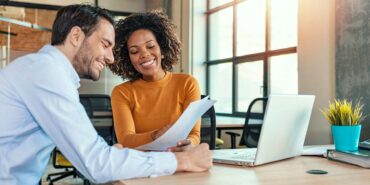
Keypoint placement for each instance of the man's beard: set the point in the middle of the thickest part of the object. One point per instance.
(83, 64)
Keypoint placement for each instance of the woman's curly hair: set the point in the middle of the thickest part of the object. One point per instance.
(162, 28)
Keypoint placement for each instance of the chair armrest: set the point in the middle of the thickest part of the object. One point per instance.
(232, 134)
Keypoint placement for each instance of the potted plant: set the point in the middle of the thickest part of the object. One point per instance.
(345, 120)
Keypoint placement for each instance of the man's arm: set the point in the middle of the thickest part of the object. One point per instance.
(124, 124)
(196, 159)
(53, 101)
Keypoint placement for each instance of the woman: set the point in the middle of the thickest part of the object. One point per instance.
(153, 98)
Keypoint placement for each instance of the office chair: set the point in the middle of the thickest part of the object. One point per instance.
(60, 162)
(208, 127)
(98, 108)
(251, 132)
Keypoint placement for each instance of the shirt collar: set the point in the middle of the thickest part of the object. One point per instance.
(60, 57)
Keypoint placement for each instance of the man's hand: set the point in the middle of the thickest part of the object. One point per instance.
(195, 159)
(181, 146)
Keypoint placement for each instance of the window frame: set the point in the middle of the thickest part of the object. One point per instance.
(263, 56)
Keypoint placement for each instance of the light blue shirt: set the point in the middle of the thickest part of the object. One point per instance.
(40, 108)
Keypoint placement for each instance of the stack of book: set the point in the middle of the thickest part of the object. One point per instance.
(359, 158)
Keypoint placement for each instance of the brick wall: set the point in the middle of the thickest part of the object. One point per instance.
(28, 39)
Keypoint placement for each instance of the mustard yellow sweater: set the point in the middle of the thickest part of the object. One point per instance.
(141, 107)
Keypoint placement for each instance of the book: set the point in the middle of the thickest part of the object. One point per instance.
(359, 158)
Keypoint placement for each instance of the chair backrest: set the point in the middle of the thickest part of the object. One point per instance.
(59, 161)
(96, 102)
(208, 127)
(251, 132)
(98, 108)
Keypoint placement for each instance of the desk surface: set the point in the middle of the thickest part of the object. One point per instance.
(287, 172)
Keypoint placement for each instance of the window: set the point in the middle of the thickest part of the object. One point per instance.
(251, 51)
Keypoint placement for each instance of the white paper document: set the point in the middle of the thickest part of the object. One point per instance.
(181, 128)
(319, 150)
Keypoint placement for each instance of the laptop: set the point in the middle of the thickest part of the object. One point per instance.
(282, 135)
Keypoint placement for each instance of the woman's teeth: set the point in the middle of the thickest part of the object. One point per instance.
(147, 63)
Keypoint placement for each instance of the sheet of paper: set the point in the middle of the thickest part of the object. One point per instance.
(181, 128)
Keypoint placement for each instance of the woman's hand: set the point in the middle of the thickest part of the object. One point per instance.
(181, 146)
(156, 134)
(117, 145)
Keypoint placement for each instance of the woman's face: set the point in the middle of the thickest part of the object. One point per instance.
(145, 54)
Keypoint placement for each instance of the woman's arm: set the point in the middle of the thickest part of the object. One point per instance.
(192, 93)
(124, 124)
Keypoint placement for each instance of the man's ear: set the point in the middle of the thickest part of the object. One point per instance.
(76, 36)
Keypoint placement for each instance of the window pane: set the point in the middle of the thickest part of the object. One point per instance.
(216, 3)
(283, 24)
(251, 17)
(284, 74)
(250, 83)
(221, 34)
(221, 86)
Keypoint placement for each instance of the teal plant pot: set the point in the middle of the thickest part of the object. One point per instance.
(346, 138)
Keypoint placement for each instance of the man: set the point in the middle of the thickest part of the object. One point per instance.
(40, 108)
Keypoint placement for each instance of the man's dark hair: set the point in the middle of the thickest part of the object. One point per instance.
(82, 15)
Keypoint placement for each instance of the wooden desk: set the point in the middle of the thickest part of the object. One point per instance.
(287, 172)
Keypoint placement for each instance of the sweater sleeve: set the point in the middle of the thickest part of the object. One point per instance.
(123, 120)
(192, 93)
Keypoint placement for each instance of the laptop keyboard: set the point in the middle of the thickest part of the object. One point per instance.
(245, 155)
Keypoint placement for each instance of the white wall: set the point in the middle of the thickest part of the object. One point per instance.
(198, 44)
(124, 5)
(56, 2)
(184, 16)
(316, 56)
(176, 18)
(154, 5)
(115, 5)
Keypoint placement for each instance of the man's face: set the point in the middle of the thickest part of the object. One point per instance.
(96, 51)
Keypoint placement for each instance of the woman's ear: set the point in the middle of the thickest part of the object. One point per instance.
(76, 36)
